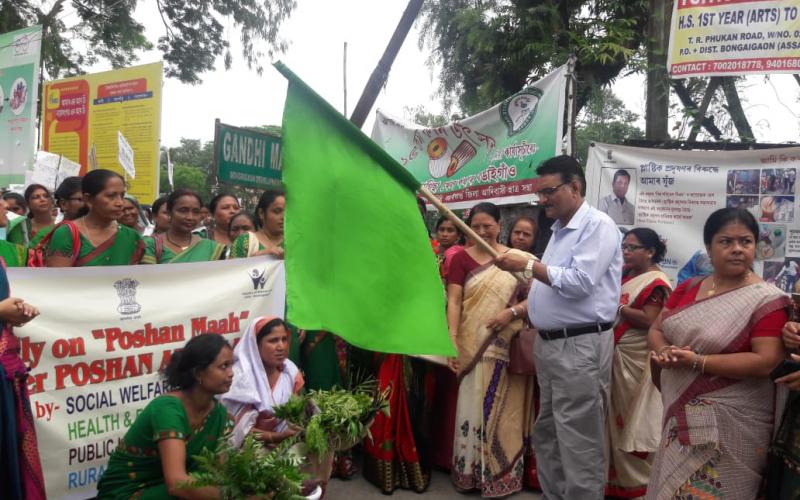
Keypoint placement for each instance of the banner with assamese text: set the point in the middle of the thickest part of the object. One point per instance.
(19, 88)
(91, 110)
(491, 156)
(734, 37)
(102, 337)
(674, 192)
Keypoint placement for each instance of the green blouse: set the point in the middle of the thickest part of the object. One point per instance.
(134, 468)
(202, 251)
(20, 231)
(124, 248)
(14, 255)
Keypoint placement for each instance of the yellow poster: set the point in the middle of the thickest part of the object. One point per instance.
(93, 109)
(734, 37)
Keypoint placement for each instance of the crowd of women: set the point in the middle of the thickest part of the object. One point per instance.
(692, 409)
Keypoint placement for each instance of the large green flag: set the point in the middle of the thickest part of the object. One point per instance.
(358, 259)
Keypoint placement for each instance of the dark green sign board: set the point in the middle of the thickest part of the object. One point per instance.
(246, 157)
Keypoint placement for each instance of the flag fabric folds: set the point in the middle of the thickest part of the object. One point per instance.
(359, 262)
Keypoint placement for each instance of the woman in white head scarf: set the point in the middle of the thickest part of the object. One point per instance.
(263, 377)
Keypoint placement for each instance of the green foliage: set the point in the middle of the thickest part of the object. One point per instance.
(251, 470)
(194, 164)
(490, 49)
(186, 177)
(195, 33)
(421, 116)
(335, 418)
(605, 119)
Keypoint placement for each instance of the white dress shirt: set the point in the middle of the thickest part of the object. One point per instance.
(584, 264)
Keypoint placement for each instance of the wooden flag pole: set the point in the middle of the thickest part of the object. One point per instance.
(463, 226)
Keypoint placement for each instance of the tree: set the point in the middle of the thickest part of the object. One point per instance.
(604, 119)
(186, 177)
(194, 33)
(490, 49)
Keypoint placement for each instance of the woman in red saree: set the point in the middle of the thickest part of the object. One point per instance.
(714, 345)
(19, 456)
(634, 409)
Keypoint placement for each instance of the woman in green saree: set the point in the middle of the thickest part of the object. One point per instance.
(178, 244)
(14, 255)
(268, 240)
(28, 231)
(101, 240)
(222, 208)
(156, 456)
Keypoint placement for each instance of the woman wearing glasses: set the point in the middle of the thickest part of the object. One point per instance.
(634, 410)
(69, 198)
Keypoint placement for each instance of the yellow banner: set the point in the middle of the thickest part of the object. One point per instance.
(90, 110)
(734, 37)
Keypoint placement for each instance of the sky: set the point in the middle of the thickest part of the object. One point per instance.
(316, 32)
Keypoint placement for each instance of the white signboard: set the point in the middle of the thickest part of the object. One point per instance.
(674, 192)
(125, 156)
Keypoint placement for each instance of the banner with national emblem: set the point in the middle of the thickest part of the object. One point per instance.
(491, 156)
(94, 363)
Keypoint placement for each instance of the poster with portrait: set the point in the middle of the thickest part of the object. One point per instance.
(674, 192)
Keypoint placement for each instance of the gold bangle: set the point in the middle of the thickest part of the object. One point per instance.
(703, 367)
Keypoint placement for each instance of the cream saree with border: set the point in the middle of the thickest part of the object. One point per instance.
(494, 410)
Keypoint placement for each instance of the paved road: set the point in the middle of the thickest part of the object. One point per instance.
(441, 488)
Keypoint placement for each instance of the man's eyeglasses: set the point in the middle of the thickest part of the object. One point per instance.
(550, 191)
(631, 248)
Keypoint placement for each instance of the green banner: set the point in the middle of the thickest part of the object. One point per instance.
(19, 90)
(246, 157)
(491, 156)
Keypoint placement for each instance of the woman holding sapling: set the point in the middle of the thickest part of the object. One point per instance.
(264, 377)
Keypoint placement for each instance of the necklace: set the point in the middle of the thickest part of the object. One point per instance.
(714, 283)
(277, 244)
(177, 245)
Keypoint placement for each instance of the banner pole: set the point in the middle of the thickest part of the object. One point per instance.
(567, 141)
(455, 219)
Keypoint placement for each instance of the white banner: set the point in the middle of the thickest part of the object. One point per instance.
(674, 192)
(102, 337)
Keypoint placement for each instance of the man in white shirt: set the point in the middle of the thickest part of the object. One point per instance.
(615, 204)
(573, 303)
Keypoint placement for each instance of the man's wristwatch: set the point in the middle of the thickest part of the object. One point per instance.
(528, 272)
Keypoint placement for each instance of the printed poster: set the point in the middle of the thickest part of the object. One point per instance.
(734, 37)
(19, 89)
(94, 365)
(89, 111)
(491, 156)
(674, 192)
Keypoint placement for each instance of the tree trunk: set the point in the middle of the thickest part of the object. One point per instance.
(736, 111)
(381, 71)
(691, 107)
(700, 118)
(657, 106)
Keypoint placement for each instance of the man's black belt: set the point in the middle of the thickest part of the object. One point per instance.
(563, 333)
